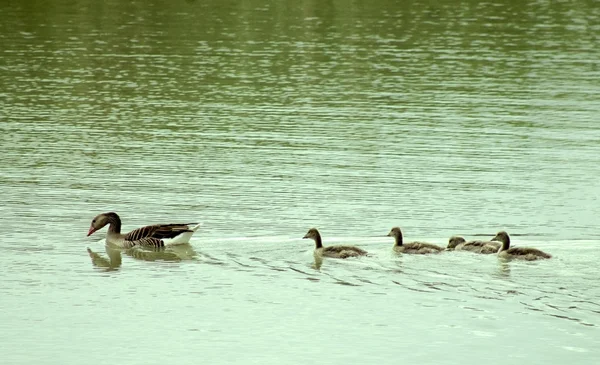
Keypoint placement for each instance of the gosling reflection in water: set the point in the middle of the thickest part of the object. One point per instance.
(318, 263)
(114, 260)
(503, 269)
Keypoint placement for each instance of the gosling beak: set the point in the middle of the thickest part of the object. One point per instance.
(305, 236)
(92, 230)
(389, 234)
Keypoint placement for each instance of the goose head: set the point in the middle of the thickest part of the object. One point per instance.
(101, 220)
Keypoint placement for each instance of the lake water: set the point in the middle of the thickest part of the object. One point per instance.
(263, 119)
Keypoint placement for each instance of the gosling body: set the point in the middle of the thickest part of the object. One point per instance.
(458, 243)
(338, 252)
(523, 253)
(418, 248)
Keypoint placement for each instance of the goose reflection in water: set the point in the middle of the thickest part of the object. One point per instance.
(114, 260)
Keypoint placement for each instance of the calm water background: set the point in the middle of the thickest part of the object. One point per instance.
(265, 118)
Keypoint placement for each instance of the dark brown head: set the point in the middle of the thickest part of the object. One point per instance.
(455, 241)
(504, 238)
(103, 219)
(501, 236)
(397, 234)
(312, 233)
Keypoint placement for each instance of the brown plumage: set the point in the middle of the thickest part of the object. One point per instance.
(460, 244)
(487, 248)
(524, 253)
(420, 248)
(156, 235)
(340, 252)
(456, 243)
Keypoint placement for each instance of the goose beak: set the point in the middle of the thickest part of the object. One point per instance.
(305, 236)
(92, 230)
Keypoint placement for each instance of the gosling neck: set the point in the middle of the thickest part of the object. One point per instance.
(318, 242)
(505, 243)
(398, 238)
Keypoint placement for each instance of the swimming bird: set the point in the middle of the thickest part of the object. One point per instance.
(412, 247)
(339, 252)
(458, 243)
(525, 253)
(157, 235)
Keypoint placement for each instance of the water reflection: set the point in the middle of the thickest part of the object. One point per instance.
(503, 270)
(270, 117)
(114, 260)
(318, 263)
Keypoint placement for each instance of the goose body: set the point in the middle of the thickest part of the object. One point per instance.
(485, 247)
(157, 235)
(523, 253)
(339, 252)
(419, 248)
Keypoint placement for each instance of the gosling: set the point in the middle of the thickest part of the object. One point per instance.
(523, 253)
(458, 243)
(338, 252)
(420, 248)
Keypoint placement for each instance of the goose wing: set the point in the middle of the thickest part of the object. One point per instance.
(157, 232)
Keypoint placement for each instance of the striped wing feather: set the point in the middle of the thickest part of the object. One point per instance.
(150, 241)
(151, 235)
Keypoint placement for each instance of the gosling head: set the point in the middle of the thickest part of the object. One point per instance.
(312, 233)
(395, 232)
(502, 237)
(455, 241)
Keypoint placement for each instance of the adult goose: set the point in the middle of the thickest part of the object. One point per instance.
(524, 253)
(412, 247)
(157, 235)
(339, 252)
(458, 243)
